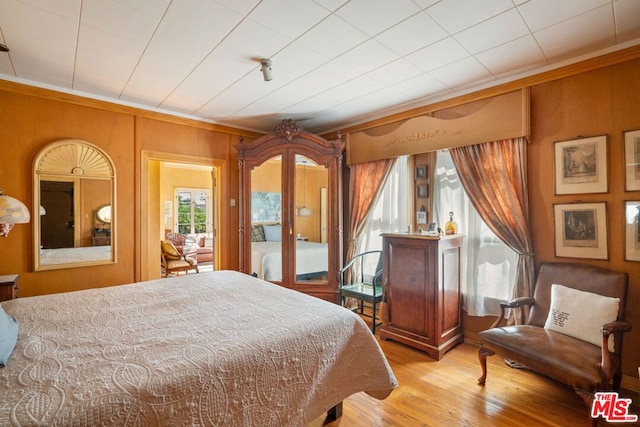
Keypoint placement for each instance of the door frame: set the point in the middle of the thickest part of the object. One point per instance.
(147, 252)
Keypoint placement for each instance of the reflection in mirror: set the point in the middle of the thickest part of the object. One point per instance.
(74, 185)
(104, 214)
(312, 255)
(266, 220)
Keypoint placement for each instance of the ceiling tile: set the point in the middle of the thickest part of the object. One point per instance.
(493, 32)
(331, 4)
(457, 15)
(104, 62)
(539, 14)
(420, 86)
(375, 16)
(120, 20)
(288, 17)
(395, 72)
(438, 54)
(243, 7)
(589, 31)
(65, 8)
(462, 73)
(627, 15)
(333, 36)
(42, 43)
(412, 34)
(513, 57)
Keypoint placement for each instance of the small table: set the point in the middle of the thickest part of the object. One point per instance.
(9, 287)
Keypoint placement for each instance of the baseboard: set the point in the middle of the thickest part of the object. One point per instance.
(629, 382)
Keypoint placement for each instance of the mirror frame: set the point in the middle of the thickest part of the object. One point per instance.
(73, 160)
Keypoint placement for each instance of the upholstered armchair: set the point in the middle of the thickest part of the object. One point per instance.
(173, 261)
(574, 329)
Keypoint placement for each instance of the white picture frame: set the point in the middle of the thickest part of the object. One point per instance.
(581, 165)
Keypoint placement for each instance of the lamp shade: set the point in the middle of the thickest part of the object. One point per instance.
(12, 211)
(304, 211)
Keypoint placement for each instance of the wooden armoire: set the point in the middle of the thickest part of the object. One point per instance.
(291, 181)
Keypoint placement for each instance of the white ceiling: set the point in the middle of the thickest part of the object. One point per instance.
(335, 62)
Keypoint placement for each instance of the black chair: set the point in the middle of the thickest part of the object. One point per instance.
(361, 278)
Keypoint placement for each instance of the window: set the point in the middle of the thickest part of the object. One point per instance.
(390, 214)
(488, 265)
(192, 211)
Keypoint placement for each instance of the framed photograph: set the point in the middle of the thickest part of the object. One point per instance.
(632, 160)
(581, 165)
(422, 191)
(632, 230)
(421, 171)
(421, 217)
(581, 230)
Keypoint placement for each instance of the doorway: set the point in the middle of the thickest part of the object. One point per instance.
(162, 175)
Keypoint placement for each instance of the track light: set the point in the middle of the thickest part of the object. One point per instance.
(266, 69)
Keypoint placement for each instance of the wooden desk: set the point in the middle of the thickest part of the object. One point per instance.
(9, 287)
(422, 274)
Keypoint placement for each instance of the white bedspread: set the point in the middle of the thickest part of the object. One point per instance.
(266, 258)
(73, 255)
(218, 348)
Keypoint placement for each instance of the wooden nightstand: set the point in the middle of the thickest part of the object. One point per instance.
(9, 287)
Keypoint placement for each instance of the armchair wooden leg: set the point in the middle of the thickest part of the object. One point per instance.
(482, 357)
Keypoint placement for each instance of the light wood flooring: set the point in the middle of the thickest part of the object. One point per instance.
(446, 393)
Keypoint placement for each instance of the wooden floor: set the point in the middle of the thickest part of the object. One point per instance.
(446, 393)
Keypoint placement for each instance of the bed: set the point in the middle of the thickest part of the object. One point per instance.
(210, 349)
(73, 255)
(311, 259)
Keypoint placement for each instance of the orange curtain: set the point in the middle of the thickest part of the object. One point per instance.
(494, 175)
(365, 184)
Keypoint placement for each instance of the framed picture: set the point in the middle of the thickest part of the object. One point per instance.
(581, 165)
(632, 160)
(632, 230)
(581, 230)
(421, 171)
(422, 191)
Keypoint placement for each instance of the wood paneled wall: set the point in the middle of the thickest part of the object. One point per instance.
(31, 118)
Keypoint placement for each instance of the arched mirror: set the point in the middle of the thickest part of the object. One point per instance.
(291, 211)
(74, 187)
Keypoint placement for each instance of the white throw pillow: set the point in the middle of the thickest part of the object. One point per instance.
(272, 233)
(581, 314)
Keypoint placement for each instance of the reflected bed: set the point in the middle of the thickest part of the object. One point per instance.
(312, 259)
(217, 348)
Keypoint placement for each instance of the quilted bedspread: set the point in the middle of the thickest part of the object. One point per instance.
(209, 349)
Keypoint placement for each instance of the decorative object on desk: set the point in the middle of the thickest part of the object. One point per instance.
(12, 211)
(632, 160)
(581, 230)
(421, 215)
(450, 227)
(632, 230)
(421, 171)
(581, 165)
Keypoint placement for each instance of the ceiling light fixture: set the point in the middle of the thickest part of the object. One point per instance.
(266, 69)
(3, 48)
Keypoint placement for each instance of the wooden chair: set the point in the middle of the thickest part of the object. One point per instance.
(173, 261)
(578, 356)
(185, 244)
(361, 278)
